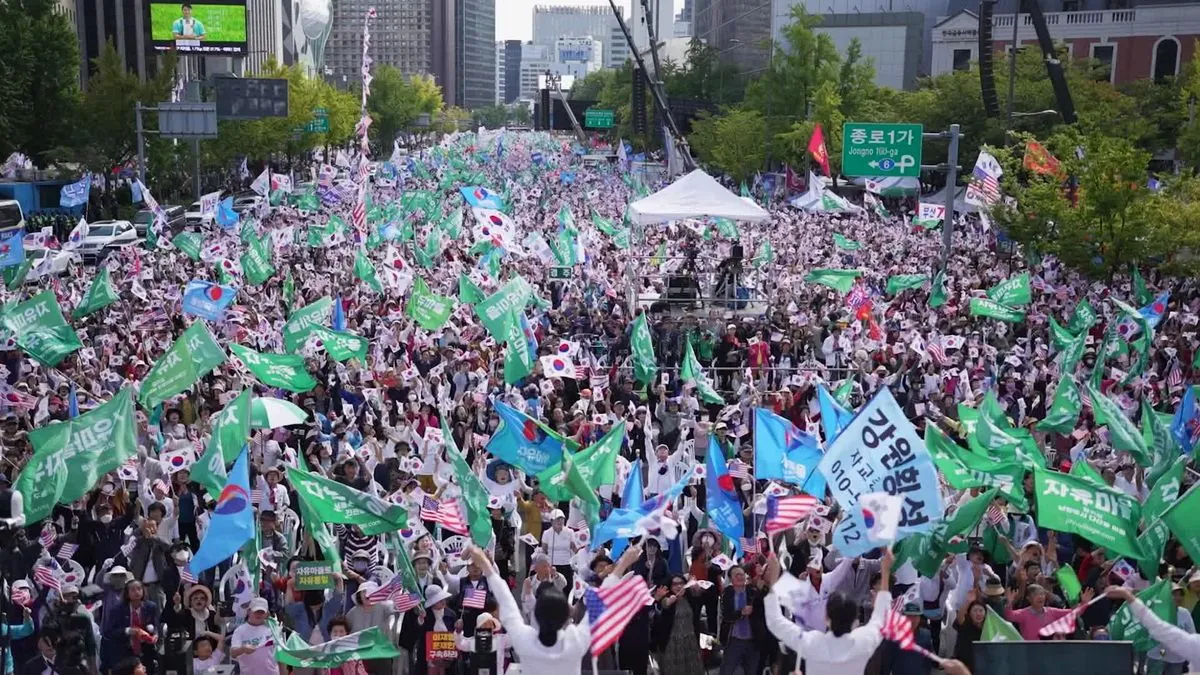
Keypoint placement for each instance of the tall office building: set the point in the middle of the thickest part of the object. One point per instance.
(535, 60)
(512, 70)
(595, 21)
(578, 56)
(475, 57)
(501, 56)
(125, 23)
(402, 35)
(269, 34)
(647, 14)
(738, 29)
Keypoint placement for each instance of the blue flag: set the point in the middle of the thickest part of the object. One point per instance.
(636, 521)
(722, 504)
(207, 300)
(783, 452)
(536, 157)
(1186, 425)
(73, 402)
(1153, 312)
(232, 523)
(339, 315)
(834, 417)
(482, 198)
(631, 499)
(76, 193)
(524, 442)
(226, 217)
(567, 177)
(135, 191)
(12, 248)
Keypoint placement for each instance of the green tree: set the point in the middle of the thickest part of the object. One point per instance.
(39, 78)
(732, 142)
(590, 86)
(492, 116)
(397, 100)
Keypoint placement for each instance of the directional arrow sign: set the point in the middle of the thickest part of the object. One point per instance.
(881, 149)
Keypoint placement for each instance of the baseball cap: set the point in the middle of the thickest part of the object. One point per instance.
(259, 605)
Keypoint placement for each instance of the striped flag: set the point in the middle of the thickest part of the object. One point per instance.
(66, 551)
(447, 513)
(127, 547)
(394, 586)
(996, 516)
(430, 509)
(1174, 376)
(22, 597)
(475, 598)
(47, 536)
(738, 469)
(749, 545)
(185, 576)
(784, 512)
(405, 601)
(897, 628)
(937, 353)
(1065, 624)
(610, 609)
(48, 575)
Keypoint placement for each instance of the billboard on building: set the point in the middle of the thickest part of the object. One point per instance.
(209, 27)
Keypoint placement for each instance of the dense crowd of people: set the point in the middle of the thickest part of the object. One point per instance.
(104, 582)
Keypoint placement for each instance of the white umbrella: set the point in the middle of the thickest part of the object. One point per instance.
(272, 413)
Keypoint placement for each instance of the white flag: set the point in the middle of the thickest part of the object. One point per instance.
(262, 184)
(78, 234)
(881, 512)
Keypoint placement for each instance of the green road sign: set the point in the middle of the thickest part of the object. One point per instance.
(561, 272)
(881, 149)
(595, 118)
(319, 125)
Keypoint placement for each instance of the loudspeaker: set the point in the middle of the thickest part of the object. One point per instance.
(639, 101)
(987, 78)
(544, 118)
(736, 253)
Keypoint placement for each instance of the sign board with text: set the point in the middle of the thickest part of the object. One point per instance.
(311, 576)
(439, 646)
(870, 149)
(596, 118)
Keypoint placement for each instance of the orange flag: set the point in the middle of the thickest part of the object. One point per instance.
(816, 147)
(1039, 160)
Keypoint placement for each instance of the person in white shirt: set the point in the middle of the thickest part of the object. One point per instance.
(252, 644)
(558, 543)
(844, 649)
(1174, 639)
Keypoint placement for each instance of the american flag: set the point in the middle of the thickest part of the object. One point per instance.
(937, 353)
(987, 184)
(256, 496)
(405, 601)
(995, 516)
(898, 628)
(385, 592)
(358, 216)
(610, 609)
(47, 536)
(475, 598)
(1064, 624)
(49, 575)
(185, 576)
(784, 512)
(447, 513)
(22, 597)
(1174, 375)
(738, 469)
(749, 545)
(66, 551)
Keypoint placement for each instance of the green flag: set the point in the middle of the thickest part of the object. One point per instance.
(40, 329)
(994, 310)
(474, 494)
(1065, 409)
(937, 294)
(1152, 541)
(1182, 518)
(964, 470)
(1165, 492)
(765, 255)
(1072, 354)
(493, 310)
(1124, 626)
(996, 629)
(1083, 318)
(285, 371)
(341, 345)
(1012, 292)
(319, 531)
(1123, 435)
(597, 464)
(518, 359)
(644, 363)
(1081, 468)
(190, 243)
(1104, 516)
(333, 502)
(81, 449)
(1059, 336)
(371, 643)
(1141, 294)
(15, 275)
(692, 374)
(231, 427)
(364, 270)
(469, 292)
(1069, 583)
(728, 229)
(430, 310)
(289, 292)
(844, 243)
(256, 261)
(192, 356)
(564, 481)
(301, 322)
(843, 391)
(839, 280)
(100, 294)
(903, 282)
(1156, 432)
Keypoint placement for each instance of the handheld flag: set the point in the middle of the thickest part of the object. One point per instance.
(232, 523)
(722, 504)
(207, 300)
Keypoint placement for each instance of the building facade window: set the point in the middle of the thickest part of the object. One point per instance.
(1165, 60)
(962, 59)
(1105, 56)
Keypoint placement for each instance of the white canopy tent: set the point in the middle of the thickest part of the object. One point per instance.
(693, 196)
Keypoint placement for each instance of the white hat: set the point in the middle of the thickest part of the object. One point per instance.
(259, 605)
(556, 514)
(367, 588)
(435, 594)
(484, 617)
(119, 571)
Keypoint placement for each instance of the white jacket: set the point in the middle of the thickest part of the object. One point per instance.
(1176, 640)
(823, 653)
(562, 658)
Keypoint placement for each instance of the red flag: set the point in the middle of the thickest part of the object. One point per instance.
(794, 183)
(816, 148)
(1039, 160)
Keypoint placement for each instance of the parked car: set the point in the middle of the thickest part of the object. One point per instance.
(247, 203)
(175, 219)
(195, 219)
(105, 236)
(61, 262)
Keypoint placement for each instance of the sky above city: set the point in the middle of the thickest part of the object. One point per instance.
(514, 18)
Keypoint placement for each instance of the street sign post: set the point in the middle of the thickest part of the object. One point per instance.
(319, 124)
(876, 150)
(596, 118)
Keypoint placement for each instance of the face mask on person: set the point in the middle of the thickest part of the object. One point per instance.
(182, 557)
(106, 518)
